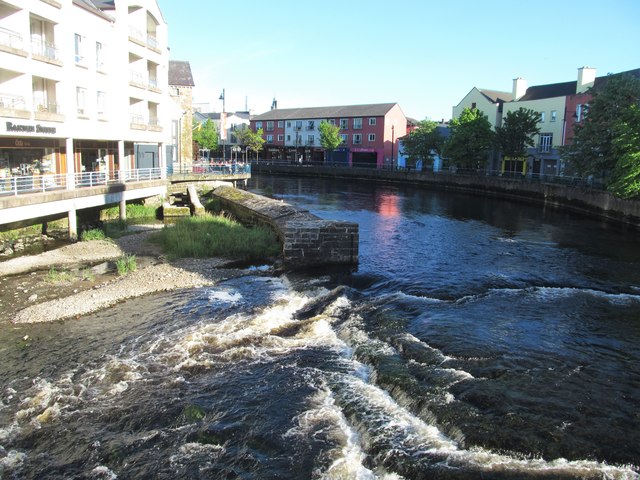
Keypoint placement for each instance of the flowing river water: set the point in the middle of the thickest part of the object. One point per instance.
(478, 339)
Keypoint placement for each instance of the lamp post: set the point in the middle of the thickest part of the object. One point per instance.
(393, 131)
(223, 125)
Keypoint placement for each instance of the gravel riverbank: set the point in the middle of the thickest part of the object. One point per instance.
(27, 296)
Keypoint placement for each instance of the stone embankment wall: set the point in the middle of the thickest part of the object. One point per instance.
(592, 202)
(308, 241)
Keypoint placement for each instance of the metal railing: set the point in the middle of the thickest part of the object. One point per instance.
(24, 184)
(8, 100)
(211, 168)
(44, 49)
(11, 39)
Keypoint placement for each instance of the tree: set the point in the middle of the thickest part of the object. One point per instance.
(330, 138)
(253, 140)
(593, 151)
(422, 143)
(625, 178)
(470, 139)
(205, 135)
(517, 132)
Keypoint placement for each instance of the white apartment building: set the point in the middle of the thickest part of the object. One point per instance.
(83, 87)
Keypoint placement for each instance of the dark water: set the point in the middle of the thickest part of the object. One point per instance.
(478, 339)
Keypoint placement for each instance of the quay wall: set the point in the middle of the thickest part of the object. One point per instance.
(307, 241)
(591, 202)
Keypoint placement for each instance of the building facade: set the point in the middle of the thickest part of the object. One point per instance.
(226, 123)
(369, 132)
(83, 86)
(181, 91)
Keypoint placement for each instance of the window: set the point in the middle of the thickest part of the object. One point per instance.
(372, 120)
(345, 138)
(357, 138)
(258, 125)
(554, 116)
(579, 112)
(101, 103)
(298, 124)
(357, 123)
(81, 94)
(280, 138)
(310, 139)
(546, 140)
(288, 124)
(372, 137)
(280, 123)
(331, 121)
(269, 126)
(99, 56)
(542, 117)
(473, 106)
(344, 124)
(310, 124)
(288, 138)
(79, 50)
(269, 138)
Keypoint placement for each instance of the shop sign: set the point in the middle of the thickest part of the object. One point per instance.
(22, 128)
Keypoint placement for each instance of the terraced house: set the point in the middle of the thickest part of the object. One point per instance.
(369, 134)
(83, 89)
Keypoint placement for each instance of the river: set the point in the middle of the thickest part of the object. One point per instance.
(478, 338)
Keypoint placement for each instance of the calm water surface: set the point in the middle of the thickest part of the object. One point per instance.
(478, 339)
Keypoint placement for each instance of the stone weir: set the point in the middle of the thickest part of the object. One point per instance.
(307, 241)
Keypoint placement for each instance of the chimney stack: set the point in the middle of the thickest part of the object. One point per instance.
(586, 79)
(519, 88)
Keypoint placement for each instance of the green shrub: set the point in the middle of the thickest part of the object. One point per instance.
(93, 234)
(218, 236)
(126, 264)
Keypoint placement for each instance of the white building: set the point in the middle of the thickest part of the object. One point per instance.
(83, 87)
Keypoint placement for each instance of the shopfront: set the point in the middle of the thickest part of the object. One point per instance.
(26, 158)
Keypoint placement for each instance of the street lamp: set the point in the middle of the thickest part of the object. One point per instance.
(393, 131)
(223, 125)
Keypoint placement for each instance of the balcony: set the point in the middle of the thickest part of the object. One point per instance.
(153, 44)
(12, 42)
(137, 122)
(136, 79)
(45, 52)
(152, 85)
(13, 106)
(153, 125)
(136, 36)
(47, 111)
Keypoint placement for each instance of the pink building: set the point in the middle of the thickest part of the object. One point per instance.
(370, 134)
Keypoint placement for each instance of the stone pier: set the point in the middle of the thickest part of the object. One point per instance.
(308, 241)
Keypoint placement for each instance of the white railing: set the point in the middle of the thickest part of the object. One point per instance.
(19, 185)
(11, 39)
(8, 100)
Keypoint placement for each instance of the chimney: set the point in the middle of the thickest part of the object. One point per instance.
(586, 78)
(519, 88)
(274, 104)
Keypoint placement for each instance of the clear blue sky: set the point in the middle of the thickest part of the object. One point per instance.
(425, 55)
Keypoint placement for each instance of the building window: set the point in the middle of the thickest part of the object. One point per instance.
(269, 126)
(298, 124)
(288, 124)
(258, 125)
(99, 56)
(79, 50)
(546, 141)
(280, 123)
(280, 138)
(101, 103)
(288, 138)
(81, 94)
(331, 121)
(579, 112)
(554, 116)
(473, 106)
(269, 138)
(357, 138)
(344, 124)
(372, 121)
(310, 140)
(357, 123)
(542, 117)
(345, 138)
(310, 124)
(372, 137)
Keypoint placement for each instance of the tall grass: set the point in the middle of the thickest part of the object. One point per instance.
(134, 210)
(93, 234)
(126, 264)
(218, 236)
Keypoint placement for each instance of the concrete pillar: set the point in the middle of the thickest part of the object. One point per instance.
(162, 157)
(123, 210)
(121, 163)
(73, 225)
(71, 164)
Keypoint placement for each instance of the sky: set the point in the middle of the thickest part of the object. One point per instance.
(425, 55)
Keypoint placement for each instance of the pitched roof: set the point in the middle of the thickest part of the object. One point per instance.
(180, 74)
(552, 90)
(92, 7)
(601, 81)
(495, 96)
(370, 110)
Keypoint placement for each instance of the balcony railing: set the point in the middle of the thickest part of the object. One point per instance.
(11, 39)
(14, 102)
(136, 35)
(137, 79)
(45, 49)
(40, 105)
(152, 42)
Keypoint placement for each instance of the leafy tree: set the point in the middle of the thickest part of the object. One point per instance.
(517, 132)
(206, 135)
(593, 151)
(422, 143)
(470, 139)
(254, 140)
(330, 138)
(625, 178)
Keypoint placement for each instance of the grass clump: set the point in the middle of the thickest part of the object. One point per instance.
(58, 276)
(218, 236)
(93, 234)
(133, 210)
(126, 264)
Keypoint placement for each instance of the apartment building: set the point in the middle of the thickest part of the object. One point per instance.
(369, 133)
(83, 86)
